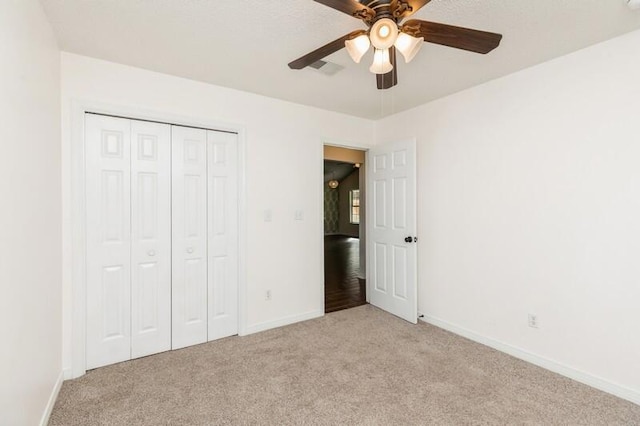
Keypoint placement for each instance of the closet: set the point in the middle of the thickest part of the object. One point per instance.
(162, 237)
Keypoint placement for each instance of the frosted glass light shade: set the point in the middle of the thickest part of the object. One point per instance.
(333, 184)
(357, 47)
(409, 46)
(381, 62)
(383, 33)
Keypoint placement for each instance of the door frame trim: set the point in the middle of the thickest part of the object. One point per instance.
(77, 217)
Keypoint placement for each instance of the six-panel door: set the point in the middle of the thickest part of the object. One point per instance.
(391, 248)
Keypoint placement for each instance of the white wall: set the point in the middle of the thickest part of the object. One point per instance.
(282, 140)
(529, 202)
(30, 218)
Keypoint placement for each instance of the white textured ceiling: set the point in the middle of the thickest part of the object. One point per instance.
(246, 44)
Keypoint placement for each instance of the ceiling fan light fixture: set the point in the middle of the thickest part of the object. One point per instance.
(382, 17)
(383, 33)
(357, 47)
(333, 184)
(381, 62)
(408, 45)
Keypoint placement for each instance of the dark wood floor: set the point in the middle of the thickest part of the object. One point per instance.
(342, 287)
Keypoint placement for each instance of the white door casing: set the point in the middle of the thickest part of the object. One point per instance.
(189, 229)
(391, 261)
(223, 234)
(108, 182)
(150, 238)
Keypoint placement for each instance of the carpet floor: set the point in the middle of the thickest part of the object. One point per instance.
(358, 366)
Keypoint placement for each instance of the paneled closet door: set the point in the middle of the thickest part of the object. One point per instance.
(223, 234)
(108, 147)
(189, 260)
(150, 238)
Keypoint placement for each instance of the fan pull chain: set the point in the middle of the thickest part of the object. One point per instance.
(387, 97)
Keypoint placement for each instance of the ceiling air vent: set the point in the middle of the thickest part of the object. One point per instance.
(326, 68)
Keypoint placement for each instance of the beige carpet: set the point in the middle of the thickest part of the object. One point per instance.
(360, 366)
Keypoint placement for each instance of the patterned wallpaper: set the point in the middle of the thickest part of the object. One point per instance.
(331, 210)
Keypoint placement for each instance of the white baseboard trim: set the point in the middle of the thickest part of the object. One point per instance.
(564, 370)
(268, 325)
(52, 400)
(67, 374)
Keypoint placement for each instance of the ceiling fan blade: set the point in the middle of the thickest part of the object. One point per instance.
(351, 7)
(324, 51)
(390, 79)
(405, 8)
(448, 35)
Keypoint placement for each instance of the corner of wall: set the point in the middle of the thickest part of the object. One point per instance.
(548, 364)
(51, 402)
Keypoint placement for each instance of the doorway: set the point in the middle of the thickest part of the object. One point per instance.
(344, 228)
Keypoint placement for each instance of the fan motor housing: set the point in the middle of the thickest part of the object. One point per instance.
(383, 9)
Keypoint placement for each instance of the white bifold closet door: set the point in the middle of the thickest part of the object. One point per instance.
(205, 236)
(128, 196)
(150, 238)
(162, 237)
(189, 274)
(223, 234)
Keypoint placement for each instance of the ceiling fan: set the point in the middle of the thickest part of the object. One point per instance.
(386, 33)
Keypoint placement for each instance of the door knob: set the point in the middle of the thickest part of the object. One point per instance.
(151, 253)
(190, 250)
(408, 240)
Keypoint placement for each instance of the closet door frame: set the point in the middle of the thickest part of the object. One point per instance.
(75, 305)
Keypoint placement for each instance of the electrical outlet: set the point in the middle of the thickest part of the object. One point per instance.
(533, 321)
(267, 295)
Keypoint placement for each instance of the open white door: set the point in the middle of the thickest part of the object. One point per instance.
(391, 236)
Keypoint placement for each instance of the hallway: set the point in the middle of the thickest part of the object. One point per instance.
(342, 289)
